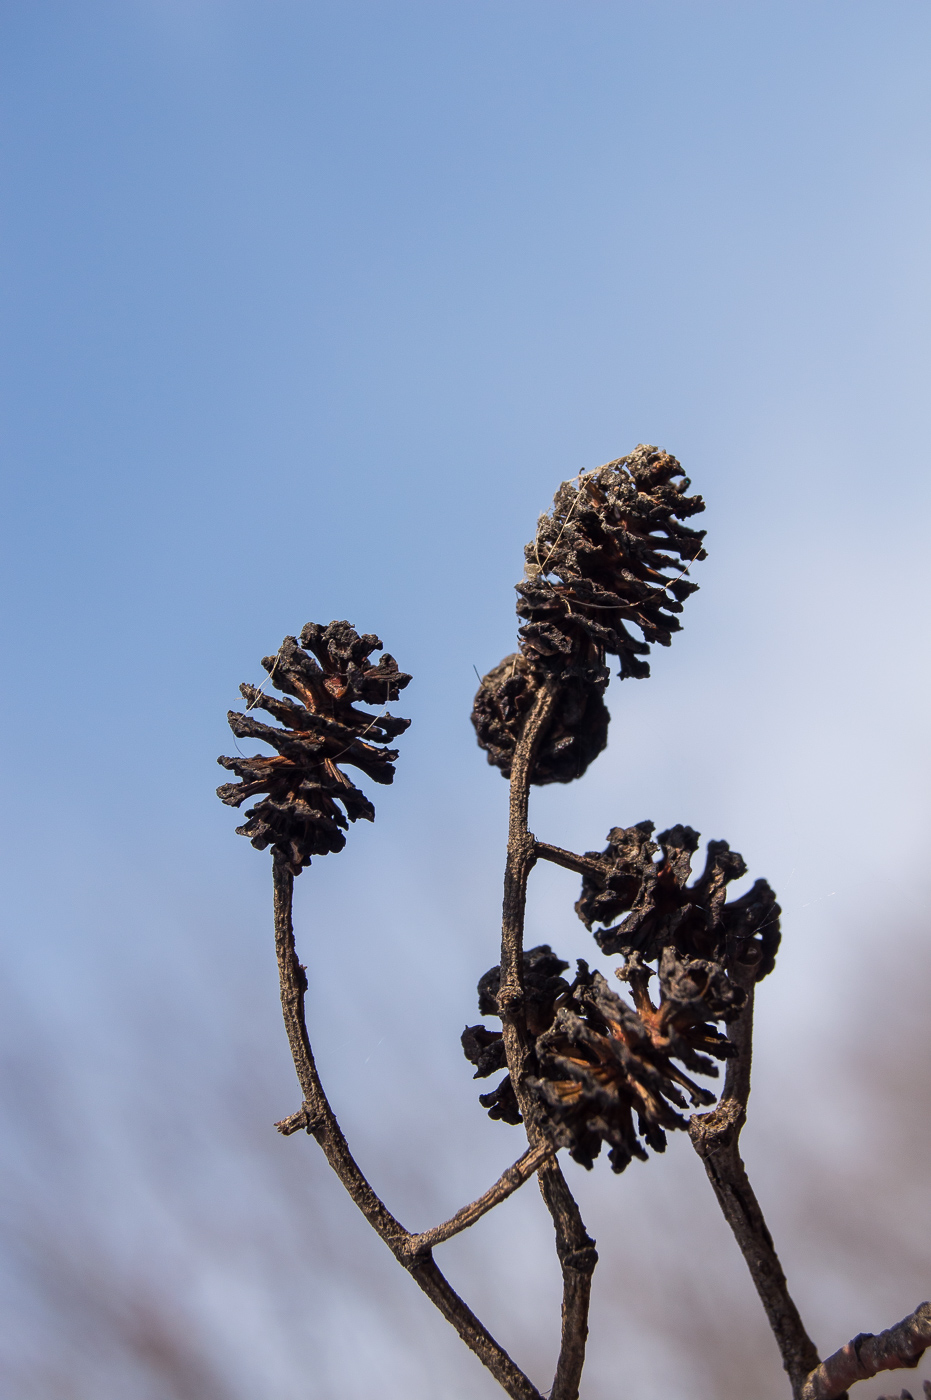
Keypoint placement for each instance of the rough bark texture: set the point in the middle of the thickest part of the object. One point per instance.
(716, 1138)
(574, 1246)
(329, 672)
(506, 1185)
(901, 1346)
(320, 1121)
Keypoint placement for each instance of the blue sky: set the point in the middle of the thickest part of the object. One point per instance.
(308, 309)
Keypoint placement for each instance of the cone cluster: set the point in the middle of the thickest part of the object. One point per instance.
(605, 1071)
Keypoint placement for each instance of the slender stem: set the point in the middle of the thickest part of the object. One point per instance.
(715, 1137)
(505, 1186)
(574, 1247)
(865, 1356)
(319, 1119)
(521, 856)
(582, 865)
(577, 1256)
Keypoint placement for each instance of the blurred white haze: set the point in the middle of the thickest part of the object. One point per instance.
(309, 308)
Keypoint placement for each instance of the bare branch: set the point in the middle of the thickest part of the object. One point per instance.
(582, 865)
(574, 1246)
(521, 857)
(505, 1186)
(295, 1122)
(540, 716)
(509, 1376)
(318, 1118)
(715, 1137)
(867, 1355)
(577, 1258)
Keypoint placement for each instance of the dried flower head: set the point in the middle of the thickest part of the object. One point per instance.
(664, 911)
(611, 554)
(328, 673)
(605, 1070)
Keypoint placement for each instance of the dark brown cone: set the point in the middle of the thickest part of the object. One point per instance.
(607, 1072)
(612, 553)
(310, 799)
(576, 735)
(663, 911)
(604, 1070)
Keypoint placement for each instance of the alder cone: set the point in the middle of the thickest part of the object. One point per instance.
(577, 732)
(612, 554)
(664, 911)
(601, 560)
(605, 1071)
(310, 800)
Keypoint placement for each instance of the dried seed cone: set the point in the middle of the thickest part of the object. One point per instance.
(576, 734)
(310, 800)
(612, 553)
(605, 1071)
(602, 559)
(663, 911)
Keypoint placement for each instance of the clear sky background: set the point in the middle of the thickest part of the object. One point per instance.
(308, 308)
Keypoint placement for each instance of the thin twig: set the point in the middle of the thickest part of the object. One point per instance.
(505, 1186)
(901, 1346)
(577, 1256)
(574, 1246)
(521, 856)
(320, 1120)
(715, 1137)
(582, 865)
